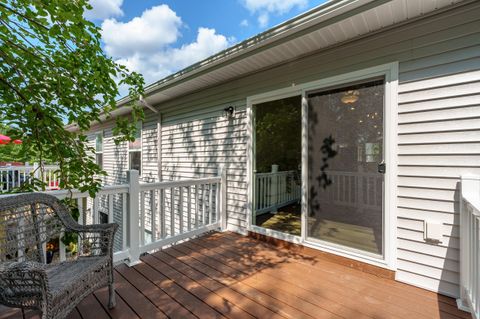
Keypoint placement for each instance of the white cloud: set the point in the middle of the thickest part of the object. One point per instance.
(273, 6)
(244, 23)
(155, 28)
(104, 9)
(266, 7)
(263, 19)
(146, 44)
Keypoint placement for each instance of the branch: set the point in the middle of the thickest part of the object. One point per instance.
(23, 16)
(20, 94)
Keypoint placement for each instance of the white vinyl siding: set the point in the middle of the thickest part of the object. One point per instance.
(438, 131)
(196, 142)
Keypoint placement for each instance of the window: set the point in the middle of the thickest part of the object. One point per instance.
(99, 149)
(135, 150)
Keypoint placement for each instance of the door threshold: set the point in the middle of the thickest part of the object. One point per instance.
(320, 254)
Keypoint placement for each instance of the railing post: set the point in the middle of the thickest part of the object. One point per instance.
(222, 171)
(133, 205)
(469, 251)
(274, 189)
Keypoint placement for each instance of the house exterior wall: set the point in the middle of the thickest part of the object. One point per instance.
(438, 131)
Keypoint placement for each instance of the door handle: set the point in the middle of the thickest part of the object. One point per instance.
(382, 167)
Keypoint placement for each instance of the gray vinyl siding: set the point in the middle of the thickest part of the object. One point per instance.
(438, 131)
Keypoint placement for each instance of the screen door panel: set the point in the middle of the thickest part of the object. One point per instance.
(346, 168)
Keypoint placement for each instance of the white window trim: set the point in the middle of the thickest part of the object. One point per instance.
(390, 72)
(102, 134)
(136, 150)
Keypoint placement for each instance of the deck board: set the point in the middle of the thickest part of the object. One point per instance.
(225, 275)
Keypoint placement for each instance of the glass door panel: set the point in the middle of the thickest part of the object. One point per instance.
(345, 163)
(277, 165)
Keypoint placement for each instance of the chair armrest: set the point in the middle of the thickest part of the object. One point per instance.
(23, 267)
(94, 228)
(23, 282)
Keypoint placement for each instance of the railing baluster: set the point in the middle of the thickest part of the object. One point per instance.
(124, 221)
(154, 215)
(172, 212)
(196, 206)
(217, 202)
(189, 207)
(142, 218)
(210, 203)
(95, 215)
(162, 221)
(110, 208)
(203, 204)
(180, 209)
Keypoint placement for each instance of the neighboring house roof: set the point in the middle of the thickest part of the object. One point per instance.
(324, 26)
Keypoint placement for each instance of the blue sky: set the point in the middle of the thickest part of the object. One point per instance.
(159, 37)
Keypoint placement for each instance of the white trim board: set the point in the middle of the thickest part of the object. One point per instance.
(390, 72)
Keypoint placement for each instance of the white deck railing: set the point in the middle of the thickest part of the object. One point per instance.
(275, 189)
(14, 176)
(470, 246)
(354, 189)
(152, 215)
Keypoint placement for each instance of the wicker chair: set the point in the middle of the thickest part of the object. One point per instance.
(27, 223)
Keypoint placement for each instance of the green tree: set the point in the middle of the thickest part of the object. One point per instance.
(53, 73)
(278, 134)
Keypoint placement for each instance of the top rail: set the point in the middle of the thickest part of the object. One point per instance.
(180, 183)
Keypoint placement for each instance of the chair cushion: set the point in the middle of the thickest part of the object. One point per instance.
(71, 275)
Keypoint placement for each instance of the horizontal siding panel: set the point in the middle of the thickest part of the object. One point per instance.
(222, 132)
(468, 100)
(443, 81)
(428, 249)
(443, 287)
(428, 182)
(428, 271)
(444, 126)
(463, 48)
(446, 241)
(439, 149)
(440, 160)
(171, 142)
(425, 171)
(235, 143)
(438, 93)
(425, 204)
(441, 137)
(431, 261)
(441, 115)
(204, 124)
(440, 70)
(426, 193)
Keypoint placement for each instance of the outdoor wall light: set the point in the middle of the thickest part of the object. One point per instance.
(229, 111)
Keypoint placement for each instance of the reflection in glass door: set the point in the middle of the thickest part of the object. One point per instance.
(277, 165)
(345, 166)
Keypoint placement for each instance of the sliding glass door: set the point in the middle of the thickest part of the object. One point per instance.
(345, 166)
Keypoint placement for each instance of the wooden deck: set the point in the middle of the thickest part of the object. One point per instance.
(225, 275)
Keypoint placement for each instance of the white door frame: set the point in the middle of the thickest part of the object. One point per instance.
(390, 73)
(252, 100)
